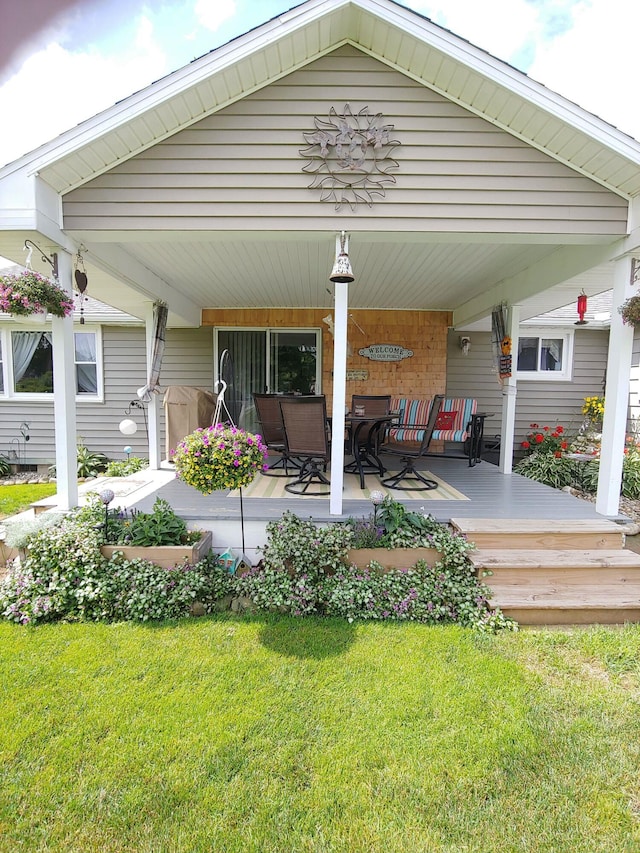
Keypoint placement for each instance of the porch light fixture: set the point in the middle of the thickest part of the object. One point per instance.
(465, 344)
(342, 272)
(582, 309)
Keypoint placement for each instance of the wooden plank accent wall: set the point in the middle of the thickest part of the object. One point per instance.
(424, 332)
(241, 168)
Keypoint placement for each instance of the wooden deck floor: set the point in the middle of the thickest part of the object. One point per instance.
(489, 494)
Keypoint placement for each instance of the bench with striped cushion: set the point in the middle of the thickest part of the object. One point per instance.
(414, 413)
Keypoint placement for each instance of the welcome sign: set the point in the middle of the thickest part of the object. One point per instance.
(385, 352)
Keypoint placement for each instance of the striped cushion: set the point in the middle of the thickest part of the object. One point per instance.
(465, 407)
(411, 412)
(417, 412)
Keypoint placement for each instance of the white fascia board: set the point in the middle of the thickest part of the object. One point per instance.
(506, 76)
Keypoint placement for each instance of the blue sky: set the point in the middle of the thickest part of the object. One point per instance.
(63, 61)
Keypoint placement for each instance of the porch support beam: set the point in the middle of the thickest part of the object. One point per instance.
(554, 269)
(123, 266)
(64, 395)
(616, 399)
(341, 300)
(509, 392)
(153, 407)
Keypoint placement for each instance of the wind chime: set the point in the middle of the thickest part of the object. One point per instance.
(80, 275)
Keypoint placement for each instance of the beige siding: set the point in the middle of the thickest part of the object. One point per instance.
(241, 168)
(188, 360)
(544, 403)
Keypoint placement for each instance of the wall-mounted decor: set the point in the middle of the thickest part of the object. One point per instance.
(350, 156)
(385, 352)
(358, 375)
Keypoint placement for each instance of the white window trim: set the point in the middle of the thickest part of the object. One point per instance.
(564, 375)
(7, 364)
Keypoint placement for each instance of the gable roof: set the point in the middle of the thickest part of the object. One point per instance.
(387, 31)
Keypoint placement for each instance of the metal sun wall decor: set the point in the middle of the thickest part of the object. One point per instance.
(350, 156)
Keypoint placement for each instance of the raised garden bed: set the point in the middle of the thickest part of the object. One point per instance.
(163, 555)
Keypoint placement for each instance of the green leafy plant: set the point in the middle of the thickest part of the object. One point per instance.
(305, 571)
(31, 293)
(547, 468)
(124, 467)
(65, 576)
(630, 485)
(5, 466)
(90, 463)
(219, 457)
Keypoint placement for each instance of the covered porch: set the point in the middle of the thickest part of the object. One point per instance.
(219, 191)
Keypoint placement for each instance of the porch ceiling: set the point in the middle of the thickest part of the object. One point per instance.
(401, 271)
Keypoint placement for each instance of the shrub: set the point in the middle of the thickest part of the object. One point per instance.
(66, 577)
(90, 463)
(305, 571)
(630, 486)
(547, 468)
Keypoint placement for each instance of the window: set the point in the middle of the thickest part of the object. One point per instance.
(544, 354)
(29, 363)
(86, 363)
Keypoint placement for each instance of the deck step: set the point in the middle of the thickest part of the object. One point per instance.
(578, 534)
(551, 587)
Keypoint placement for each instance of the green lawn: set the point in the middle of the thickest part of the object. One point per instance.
(14, 499)
(277, 734)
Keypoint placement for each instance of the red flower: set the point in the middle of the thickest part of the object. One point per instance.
(559, 430)
(558, 454)
(533, 426)
(539, 438)
(526, 445)
(564, 445)
(546, 429)
(555, 435)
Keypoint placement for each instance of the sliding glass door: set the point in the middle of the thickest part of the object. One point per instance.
(275, 361)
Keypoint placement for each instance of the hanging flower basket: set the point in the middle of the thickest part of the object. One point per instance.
(219, 457)
(630, 311)
(29, 293)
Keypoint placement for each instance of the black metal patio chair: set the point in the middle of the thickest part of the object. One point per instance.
(306, 435)
(272, 431)
(409, 474)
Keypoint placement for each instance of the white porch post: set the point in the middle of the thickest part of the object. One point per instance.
(64, 395)
(616, 399)
(153, 408)
(339, 391)
(509, 391)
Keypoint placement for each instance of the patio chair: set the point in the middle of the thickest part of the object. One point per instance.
(409, 474)
(306, 437)
(272, 431)
(372, 406)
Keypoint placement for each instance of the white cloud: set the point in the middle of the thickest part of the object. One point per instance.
(592, 65)
(56, 89)
(213, 13)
